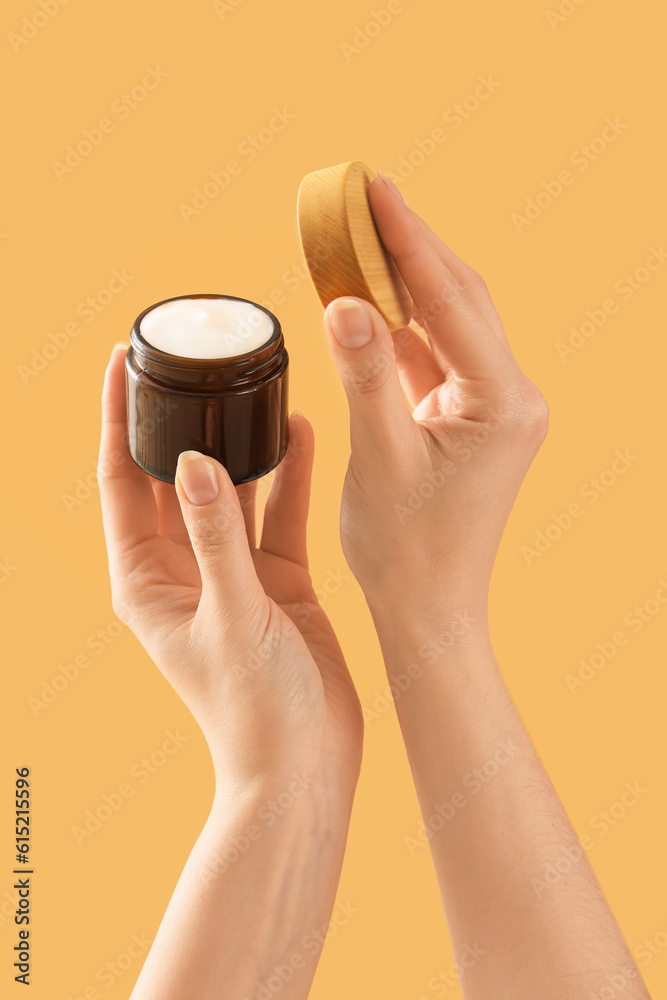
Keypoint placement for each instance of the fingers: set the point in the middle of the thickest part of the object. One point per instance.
(465, 275)
(363, 350)
(418, 369)
(460, 335)
(170, 518)
(216, 526)
(129, 510)
(286, 511)
(247, 493)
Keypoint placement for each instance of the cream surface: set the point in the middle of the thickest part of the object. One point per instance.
(206, 328)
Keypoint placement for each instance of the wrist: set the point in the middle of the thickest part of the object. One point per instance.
(431, 638)
(255, 761)
(296, 799)
(428, 583)
(410, 617)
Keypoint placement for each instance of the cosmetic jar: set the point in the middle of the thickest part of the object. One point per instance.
(207, 373)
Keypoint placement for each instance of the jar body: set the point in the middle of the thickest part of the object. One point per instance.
(234, 410)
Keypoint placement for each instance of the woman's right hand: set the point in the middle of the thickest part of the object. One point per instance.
(426, 497)
(428, 492)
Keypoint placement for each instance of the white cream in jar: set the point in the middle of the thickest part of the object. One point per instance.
(207, 327)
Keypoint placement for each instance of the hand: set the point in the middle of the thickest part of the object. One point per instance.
(235, 628)
(426, 497)
(428, 492)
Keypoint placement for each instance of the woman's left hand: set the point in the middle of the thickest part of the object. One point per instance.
(233, 625)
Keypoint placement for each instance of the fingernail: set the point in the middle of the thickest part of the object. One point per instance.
(390, 184)
(197, 477)
(350, 322)
(119, 347)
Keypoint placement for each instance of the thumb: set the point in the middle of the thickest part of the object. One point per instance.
(215, 524)
(363, 349)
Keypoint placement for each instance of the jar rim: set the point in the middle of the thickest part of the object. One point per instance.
(252, 357)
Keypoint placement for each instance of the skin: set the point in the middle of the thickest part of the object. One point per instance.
(496, 822)
(443, 427)
(236, 629)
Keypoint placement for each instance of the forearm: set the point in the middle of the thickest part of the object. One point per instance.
(253, 902)
(494, 822)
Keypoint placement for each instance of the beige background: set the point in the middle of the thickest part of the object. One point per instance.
(357, 89)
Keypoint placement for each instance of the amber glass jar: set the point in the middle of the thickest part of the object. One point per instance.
(234, 409)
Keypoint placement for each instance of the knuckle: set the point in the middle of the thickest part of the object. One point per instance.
(449, 292)
(531, 411)
(538, 410)
(477, 282)
(372, 375)
(210, 534)
(109, 465)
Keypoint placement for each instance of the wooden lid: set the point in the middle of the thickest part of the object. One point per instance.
(341, 243)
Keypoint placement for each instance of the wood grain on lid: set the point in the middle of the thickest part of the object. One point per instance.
(341, 244)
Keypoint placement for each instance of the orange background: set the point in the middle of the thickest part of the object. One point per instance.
(556, 82)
